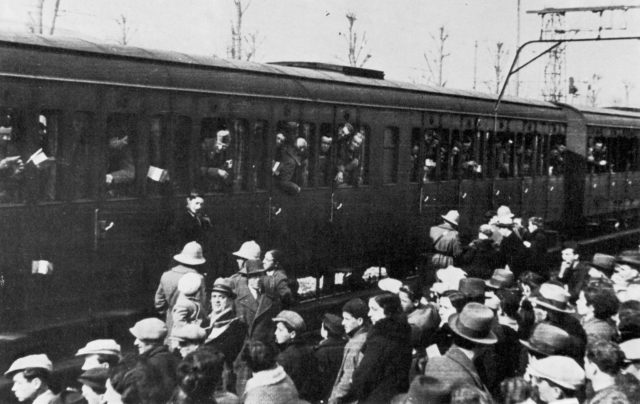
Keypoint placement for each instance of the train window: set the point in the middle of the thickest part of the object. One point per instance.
(240, 145)
(557, 151)
(503, 155)
(432, 155)
(391, 143)
(12, 144)
(308, 133)
(121, 157)
(629, 151)
(77, 160)
(352, 165)
(416, 167)
(216, 156)
(158, 171)
(46, 155)
(468, 153)
(181, 157)
(323, 176)
(527, 154)
(597, 155)
(290, 167)
(260, 153)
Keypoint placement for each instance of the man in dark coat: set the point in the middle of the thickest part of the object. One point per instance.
(445, 241)
(535, 240)
(573, 272)
(290, 173)
(329, 352)
(296, 356)
(192, 224)
(471, 333)
(481, 257)
(150, 334)
(512, 249)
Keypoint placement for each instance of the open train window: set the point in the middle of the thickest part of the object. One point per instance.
(181, 154)
(239, 129)
(47, 155)
(77, 156)
(469, 149)
(291, 164)
(390, 155)
(308, 133)
(415, 156)
(322, 164)
(260, 153)
(121, 155)
(216, 164)
(557, 150)
(352, 162)
(503, 155)
(158, 154)
(597, 153)
(12, 157)
(432, 154)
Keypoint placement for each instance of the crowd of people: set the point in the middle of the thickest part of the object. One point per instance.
(495, 323)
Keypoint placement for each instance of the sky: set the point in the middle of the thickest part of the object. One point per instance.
(398, 35)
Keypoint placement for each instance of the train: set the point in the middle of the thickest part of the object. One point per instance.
(74, 246)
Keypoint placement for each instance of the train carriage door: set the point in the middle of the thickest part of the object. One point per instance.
(506, 184)
(475, 194)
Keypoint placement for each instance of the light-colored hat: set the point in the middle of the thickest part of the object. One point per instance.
(100, 347)
(504, 221)
(631, 349)
(292, 319)
(452, 217)
(561, 370)
(449, 279)
(249, 250)
(504, 211)
(190, 283)
(191, 254)
(390, 285)
(149, 329)
(39, 361)
(553, 297)
(501, 279)
(474, 323)
(486, 230)
(189, 332)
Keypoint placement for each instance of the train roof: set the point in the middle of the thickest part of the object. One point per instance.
(613, 117)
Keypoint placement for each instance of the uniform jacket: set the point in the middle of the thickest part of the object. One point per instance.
(329, 354)
(297, 359)
(454, 368)
(383, 371)
(256, 314)
(350, 360)
(272, 386)
(227, 333)
(445, 244)
(167, 292)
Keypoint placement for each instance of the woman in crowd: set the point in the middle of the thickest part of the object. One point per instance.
(383, 371)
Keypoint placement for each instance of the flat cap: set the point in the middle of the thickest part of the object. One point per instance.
(561, 370)
(40, 361)
(189, 332)
(292, 319)
(149, 329)
(631, 349)
(100, 347)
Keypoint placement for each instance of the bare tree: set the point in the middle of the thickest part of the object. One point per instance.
(593, 89)
(628, 86)
(242, 47)
(36, 17)
(355, 44)
(125, 30)
(54, 18)
(435, 60)
(499, 58)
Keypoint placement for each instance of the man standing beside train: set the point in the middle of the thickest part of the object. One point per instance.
(445, 243)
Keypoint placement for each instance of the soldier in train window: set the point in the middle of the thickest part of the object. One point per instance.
(121, 170)
(158, 174)
(324, 160)
(525, 152)
(597, 156)
(556, 159)
(349, 164)
(470, 167)
(217, 161)
(291, 170)
(503, 158)
(431, 145)
(11, 163)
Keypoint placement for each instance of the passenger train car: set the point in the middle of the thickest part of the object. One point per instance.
(75, 244)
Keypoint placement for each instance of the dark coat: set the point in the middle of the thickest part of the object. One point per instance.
(383, 371)
(480, 258)
(167, 292)
(575, 278)
(188, 227)
(165, 362)
(514, 253)
(290, 172)
(256, 314)
(329, 353)
(226, 334)
(297, 359)
(538, 252)
(445, 244)
(454, 368)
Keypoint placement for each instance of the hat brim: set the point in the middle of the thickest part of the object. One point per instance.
(446, 219)
(491, 285)
(546, 305)
(229, 293)
(239, 254)
(85, 352)
(530, 347)
(188, 261)
(490, 339)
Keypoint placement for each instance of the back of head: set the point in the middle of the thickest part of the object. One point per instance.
(390, 303)
(199, 373)
(606, 355)
(468, 394)
(260, 355)
(138, 382)
(603, 299)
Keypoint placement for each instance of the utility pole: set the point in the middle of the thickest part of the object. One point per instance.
(517, 46)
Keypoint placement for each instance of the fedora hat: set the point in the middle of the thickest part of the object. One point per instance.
(561, 370)
(253, 268)
(249, 250)
(425, 389)
(191, 254)
(553, 297)
(631, 349)
(224, 286)
(501, 279)
(472, 288)
(452, 217)
(547, 339)
(474, 323)
(603, 262)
